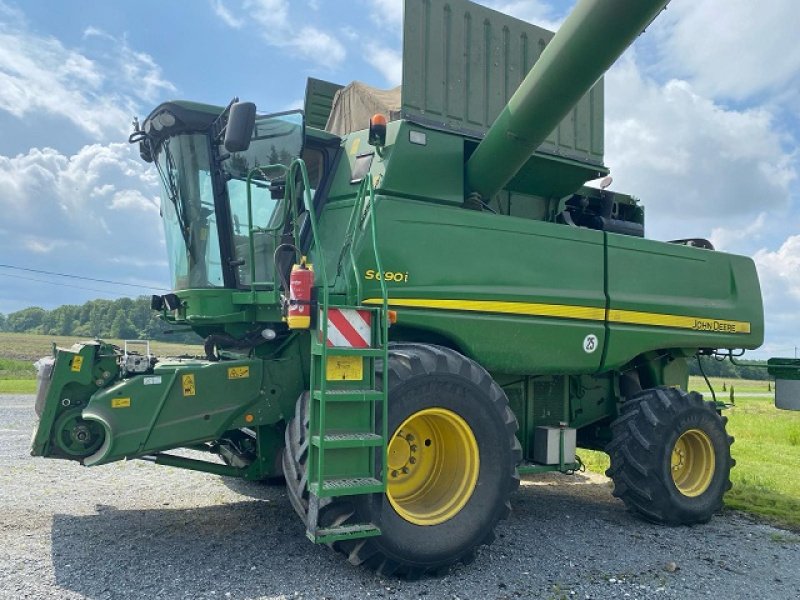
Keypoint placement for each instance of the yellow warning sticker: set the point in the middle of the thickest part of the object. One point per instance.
(344, 368)
(120, 402)
(188, 385)
(77, 363)
(238, 372)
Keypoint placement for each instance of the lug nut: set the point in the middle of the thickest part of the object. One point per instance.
(412, 461)
(394, 473)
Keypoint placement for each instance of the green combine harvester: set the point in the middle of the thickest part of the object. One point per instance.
(404, 312)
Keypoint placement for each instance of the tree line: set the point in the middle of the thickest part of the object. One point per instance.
(124, 318)
(744, 369)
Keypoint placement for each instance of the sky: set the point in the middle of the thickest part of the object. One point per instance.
(702, 124)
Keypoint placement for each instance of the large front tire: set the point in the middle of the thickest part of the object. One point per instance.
(451, 467)
(670, 457)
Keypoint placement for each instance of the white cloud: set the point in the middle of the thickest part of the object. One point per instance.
(86, 199)
(387, 61)
(387, 14)
(90, 213)
(272, 18)
(732, 48)
(779, 272)
(39, 74)
(691, 160)
(227, 16)
(727, 238)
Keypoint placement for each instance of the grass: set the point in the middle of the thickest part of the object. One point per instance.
(766, 450)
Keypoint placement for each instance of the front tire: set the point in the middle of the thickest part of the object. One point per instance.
(451, 466)
(670, 456)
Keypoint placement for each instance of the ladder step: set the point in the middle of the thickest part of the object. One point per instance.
(336, 351)
(343, 532)
(346, 487)
(348, 440)
(349, 395)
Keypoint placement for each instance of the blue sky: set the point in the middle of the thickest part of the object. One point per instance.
(701, 123)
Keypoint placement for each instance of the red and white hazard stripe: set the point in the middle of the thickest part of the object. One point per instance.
(349, 328)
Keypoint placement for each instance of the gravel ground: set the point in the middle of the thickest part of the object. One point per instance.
(136, 530)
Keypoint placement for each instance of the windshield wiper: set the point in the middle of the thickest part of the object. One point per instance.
(171, 187)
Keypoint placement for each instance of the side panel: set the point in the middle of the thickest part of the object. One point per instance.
(518, 296)
(665, 295)
(180, 404)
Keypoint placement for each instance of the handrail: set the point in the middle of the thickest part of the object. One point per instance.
(384, 330)
(319, 259)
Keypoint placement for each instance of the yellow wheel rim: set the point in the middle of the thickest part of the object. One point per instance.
(693, 462)
(433, 466)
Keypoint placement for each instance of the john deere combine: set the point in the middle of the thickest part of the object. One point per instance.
(402, 314)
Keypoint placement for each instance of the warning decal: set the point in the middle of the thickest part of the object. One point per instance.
(344, 368)
(238, 372)
(120, 402)
(188, 385)
(77, 363)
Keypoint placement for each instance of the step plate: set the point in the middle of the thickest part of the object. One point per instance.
(349, 440)
(347, 487)
(347, 532)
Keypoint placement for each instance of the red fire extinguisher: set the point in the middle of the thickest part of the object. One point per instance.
(301, 280)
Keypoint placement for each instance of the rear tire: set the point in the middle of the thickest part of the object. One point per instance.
(451, 496)
(670, 456)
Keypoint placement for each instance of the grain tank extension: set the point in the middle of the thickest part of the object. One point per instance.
(403, 312)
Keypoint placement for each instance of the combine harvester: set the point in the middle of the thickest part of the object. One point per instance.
(404, 313)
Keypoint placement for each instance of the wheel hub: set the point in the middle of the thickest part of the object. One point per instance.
(692, 463)
(77, 437)
(433, 465)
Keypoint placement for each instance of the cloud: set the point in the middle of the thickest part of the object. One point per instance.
(779, 272)
(100, 202)
(272, 19)
(690, 159)
(733, 49)
(727, 238)
(387, 14)
(223, 13)
(96, 92)
(94, 212)
(388, 62)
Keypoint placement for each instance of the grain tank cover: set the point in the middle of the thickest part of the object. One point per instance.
(462, 63)
(354, 104)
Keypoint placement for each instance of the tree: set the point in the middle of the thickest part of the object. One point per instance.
(27, 319)
(122, 327)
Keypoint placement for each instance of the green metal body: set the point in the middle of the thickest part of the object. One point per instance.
(568, 319)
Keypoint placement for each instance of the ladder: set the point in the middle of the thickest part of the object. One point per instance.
(348, 409)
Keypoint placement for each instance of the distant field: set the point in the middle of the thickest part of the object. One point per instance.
(18, 351)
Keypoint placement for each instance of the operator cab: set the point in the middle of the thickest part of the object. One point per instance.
(204, 191)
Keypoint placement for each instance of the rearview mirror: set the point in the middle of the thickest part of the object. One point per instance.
(241, 121)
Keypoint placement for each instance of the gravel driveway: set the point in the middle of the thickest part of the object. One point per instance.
(137, 530)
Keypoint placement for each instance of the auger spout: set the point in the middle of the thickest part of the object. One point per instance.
(593, 36)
